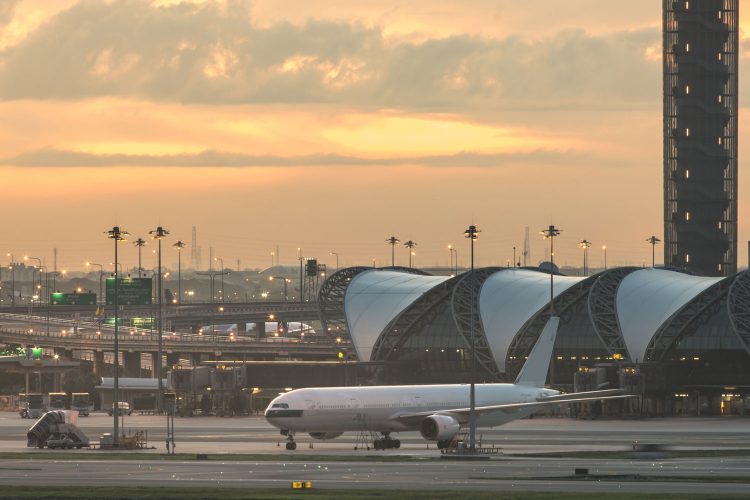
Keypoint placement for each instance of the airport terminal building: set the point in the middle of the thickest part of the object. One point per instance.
(682, 341)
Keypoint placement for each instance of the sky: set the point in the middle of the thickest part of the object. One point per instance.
(330, 126)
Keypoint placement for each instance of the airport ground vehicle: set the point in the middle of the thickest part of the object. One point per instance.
(31, 405)
(56, 429)
(58, 401)
(81, 403)
(123, 409)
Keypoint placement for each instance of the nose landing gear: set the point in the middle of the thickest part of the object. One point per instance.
(290, 444)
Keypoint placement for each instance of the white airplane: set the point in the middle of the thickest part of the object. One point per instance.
(438, 412)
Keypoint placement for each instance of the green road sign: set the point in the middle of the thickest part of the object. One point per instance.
(134, 322)
(72, 299)
(131, 291)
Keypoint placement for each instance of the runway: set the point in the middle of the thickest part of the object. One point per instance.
(417, 466)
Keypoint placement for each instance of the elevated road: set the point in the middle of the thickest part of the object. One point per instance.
(85, 334)
(182, 315)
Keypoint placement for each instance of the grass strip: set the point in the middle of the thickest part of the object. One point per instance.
(626, 478)
(739, 452)
(213, 457)
(189, 493)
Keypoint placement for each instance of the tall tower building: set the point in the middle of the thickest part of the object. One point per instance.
(700, 135)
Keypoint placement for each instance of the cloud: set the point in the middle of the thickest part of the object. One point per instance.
(212, 53)
(49, 157)
(7, 8)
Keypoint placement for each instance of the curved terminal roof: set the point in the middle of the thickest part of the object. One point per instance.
(374, 298)
(647, 298)
(511, 297)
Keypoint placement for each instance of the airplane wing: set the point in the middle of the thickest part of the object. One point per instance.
(576, 397)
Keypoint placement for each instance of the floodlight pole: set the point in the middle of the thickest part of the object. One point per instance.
(472, 233)
(550, 234)
(158, 234)
(585, 244)
(392, 241)
(410, 245)
(117, 235)
(653, 240)
(140, 243)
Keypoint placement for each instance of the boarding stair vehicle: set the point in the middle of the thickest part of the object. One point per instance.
(57, 429)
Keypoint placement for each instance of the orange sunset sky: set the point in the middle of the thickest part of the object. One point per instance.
(332, 125)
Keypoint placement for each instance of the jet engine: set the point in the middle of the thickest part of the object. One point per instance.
(439, 427)
(325, 435)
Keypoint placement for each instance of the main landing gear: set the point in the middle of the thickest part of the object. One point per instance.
(290, 444)
(386, 443)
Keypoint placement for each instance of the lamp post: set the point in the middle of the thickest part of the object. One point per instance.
(285, 280)
(549, 234)
(12, 267)
(101, 276)
(158, 234)
(604, 247)
(221, 261)
(117, 235)
(410, 245)
(392, 241)
(653, 240)
(454, 268)
(337, 260)
(55, 274)
(301, 278)
(140, 243)
(33, 283)
(213, 274)
(472, 233)
(585, 244)
(45, 270)
(179, 246)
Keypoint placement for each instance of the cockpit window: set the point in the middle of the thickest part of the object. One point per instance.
(280, 405)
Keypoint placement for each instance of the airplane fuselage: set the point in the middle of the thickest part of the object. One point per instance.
(377, 408)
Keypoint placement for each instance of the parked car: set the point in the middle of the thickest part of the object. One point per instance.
(123, 409)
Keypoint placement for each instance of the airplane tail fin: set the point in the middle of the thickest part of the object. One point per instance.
(534, 371)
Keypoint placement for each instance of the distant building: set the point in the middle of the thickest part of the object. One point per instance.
(700, 135)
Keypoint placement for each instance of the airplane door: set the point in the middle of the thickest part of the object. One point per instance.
(352, 403)
(310, 407)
